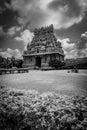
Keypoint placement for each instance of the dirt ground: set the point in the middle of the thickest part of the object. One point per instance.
(43, 81)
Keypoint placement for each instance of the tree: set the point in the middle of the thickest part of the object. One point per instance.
(55, 63)
(19, 63)
(3, 62)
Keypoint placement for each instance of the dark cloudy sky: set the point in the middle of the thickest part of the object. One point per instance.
(18, 18)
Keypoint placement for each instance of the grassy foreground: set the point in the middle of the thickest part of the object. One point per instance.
(29, 110)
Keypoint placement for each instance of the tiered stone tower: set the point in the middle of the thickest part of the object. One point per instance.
(44, 47)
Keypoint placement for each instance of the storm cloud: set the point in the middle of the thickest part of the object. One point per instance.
(7, 14)
(61, 13)
(72, 7)
(68, 12)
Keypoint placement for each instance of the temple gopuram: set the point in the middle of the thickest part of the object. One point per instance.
(43, 48)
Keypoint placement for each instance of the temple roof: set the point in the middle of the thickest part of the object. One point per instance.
(44, 42)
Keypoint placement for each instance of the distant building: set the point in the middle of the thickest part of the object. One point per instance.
(43, 48)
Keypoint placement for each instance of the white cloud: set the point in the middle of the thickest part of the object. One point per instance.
(44, 3)
(69, 48)
(18, 38)
(67, 45)
(26, 37)
(82, 45)
(75, 50)
(84, 35)
(10, 52)
(13, 30)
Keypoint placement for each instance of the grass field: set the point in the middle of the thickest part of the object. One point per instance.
(43, 109)
(43, 81)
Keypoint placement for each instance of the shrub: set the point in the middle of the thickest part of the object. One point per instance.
(29, 110)
(55, 63)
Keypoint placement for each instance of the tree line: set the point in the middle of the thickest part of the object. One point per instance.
(10, 62)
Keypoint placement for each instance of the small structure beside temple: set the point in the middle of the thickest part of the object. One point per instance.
(43, 48)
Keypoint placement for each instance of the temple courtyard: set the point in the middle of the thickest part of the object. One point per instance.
(58, 81)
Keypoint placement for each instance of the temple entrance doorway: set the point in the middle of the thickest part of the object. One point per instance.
(38, 61)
